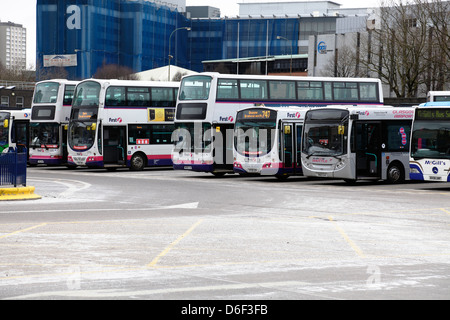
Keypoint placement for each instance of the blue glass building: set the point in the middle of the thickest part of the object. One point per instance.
(136, 34)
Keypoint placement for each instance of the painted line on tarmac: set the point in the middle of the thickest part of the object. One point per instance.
(23, 230)
(114, 293)
(73, 186)
(193, 205)
(173, 244)
(347, 238)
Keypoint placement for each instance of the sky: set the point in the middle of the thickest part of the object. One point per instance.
(24, 12)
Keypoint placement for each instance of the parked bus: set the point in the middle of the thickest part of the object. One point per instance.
(15, 130)
(438, 96)
(430, 143)
(267, 141)
(50, 113)
(208, 102)
(354, 143)
(122, 123)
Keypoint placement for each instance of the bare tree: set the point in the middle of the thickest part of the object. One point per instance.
(113, 71)
(402, 52)
(342, 63)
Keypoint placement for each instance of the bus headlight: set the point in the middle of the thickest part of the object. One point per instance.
(340, 164)
(414, 170)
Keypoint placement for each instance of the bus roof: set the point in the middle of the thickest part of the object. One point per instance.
(436, 104)
(137, 83)
(65, 81)
(277, 77)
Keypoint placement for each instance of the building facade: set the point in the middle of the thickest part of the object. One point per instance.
(82, 35)
(13, 46)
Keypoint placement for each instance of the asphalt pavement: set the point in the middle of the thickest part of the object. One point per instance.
(162, 234)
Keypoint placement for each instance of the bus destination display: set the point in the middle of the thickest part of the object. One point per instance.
(433, 114)
(257, 114)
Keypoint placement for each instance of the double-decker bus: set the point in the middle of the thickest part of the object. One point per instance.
(208, 103)
(50, 113)
(122, 123)
(438, 96)
(15, 130)
(353, 143)
(268, 141)
(430, 143)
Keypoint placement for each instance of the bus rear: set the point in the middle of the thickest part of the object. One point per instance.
(52, 102)
(430, 143)
(204, 128)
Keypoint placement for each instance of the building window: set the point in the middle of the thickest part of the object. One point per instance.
(20, 102)
(4, 101)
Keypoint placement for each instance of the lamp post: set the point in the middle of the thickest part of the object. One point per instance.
(170, 56)
(280, 37)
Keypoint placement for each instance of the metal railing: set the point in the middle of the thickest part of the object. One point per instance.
(13, 168)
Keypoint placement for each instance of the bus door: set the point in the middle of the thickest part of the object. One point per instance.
(368, 149)
(291, 141)
(21, 135)
(114, 145)
(224, 157)
(63, 142)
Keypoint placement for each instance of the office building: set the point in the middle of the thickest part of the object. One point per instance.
(82, 35)
(13, 46)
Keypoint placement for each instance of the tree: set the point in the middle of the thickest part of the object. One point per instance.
(342, 64)
(114, 71)
(408, 50)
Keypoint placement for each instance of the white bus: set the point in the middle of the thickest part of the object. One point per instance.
(50, 113)
(354, 143)
(125, 123)
(430, 143)
(208, 102)
(15, 130)
(438, 96)
(268, 141)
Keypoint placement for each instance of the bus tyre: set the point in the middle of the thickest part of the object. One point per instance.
(395, 173)
(137, 162)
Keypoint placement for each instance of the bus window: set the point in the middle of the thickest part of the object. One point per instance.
(195, 88)
(310, 91)
(368, 91)
(163, 97)
(138, 97)
(253, 89)
(227, 89)
(68, 95)
(345, 91)
(46, 92)
(282, 90)
(115, 96)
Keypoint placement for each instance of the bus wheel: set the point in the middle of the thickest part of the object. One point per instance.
(218, 174)
(350, 182)
(395, 173)
(137, 162)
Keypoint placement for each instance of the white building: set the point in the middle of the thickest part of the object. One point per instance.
(13, 46)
